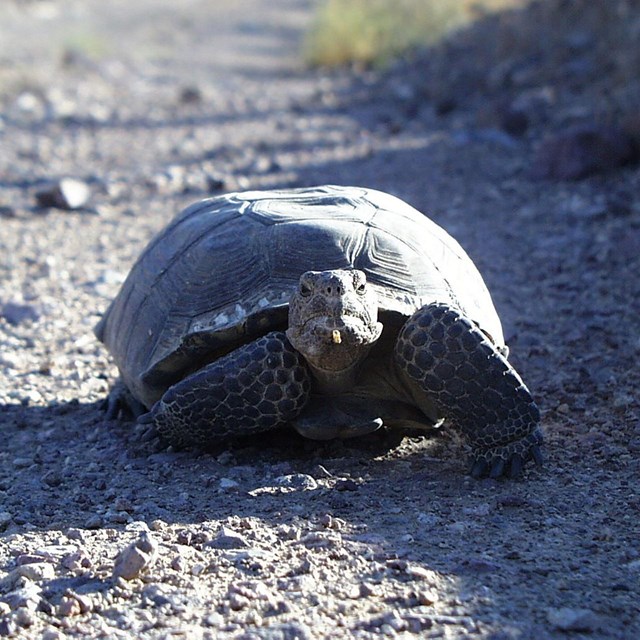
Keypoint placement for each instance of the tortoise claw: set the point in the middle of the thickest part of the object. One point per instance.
(536, 454)
(478, 468)
(497, 468)
(508, 460)
(515, 466)
(113, 405)
(120, 404)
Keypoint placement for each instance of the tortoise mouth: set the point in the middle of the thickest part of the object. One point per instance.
(334, 343)
(345, 329)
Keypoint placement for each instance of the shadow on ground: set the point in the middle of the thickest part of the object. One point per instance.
(81, 469)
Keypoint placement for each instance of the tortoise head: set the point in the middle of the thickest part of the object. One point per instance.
(333, 319)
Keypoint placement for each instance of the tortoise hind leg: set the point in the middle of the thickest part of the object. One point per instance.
(121, 404)
(447, 357)
(254, 388)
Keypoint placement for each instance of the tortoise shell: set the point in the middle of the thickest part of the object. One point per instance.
(222, 272)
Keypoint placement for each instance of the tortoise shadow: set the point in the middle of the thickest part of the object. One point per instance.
(74, 468)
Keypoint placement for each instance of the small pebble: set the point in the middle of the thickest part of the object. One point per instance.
(421, 573)
(8, 627)
(27, 596)
(24, 618)
(178, 564)
(22, 462)
(75, 534)
(158, 525)
(68, 607)
(94, 522)
(67, 193)
(117, 517)
(347, 484)
(36, 571)
(228, 483)
(190, 95)
(136, 557)
(227, 538)
(52, 478)
(76, 561)
(567, 619)
(5, 520)
(54, 551)
(297, 482)
(15, 313)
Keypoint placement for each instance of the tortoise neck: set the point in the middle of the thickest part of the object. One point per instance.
(330, 382)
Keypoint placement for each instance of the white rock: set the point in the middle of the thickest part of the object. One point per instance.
(56, 550)
(36, 571)
(297, 482)
(27, 597)
(228, 483)
(136, 558)
(67, 193)
(228, 539)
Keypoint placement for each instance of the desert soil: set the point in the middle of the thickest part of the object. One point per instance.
(153, 105)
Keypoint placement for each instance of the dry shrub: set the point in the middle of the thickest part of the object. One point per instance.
(374, 31)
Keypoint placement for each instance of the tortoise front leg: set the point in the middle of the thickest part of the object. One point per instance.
(254, 388)
(447, 357)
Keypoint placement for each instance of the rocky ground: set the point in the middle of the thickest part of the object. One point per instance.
(149, 106)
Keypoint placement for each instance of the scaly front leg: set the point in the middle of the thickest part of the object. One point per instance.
(254, 388)
(447, 357)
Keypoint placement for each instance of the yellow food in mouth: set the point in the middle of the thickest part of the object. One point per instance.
(336, 337)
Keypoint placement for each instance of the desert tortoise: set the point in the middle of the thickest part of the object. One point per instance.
(332, 309)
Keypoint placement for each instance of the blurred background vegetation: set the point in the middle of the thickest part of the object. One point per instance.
(372, 32)
(461, 49)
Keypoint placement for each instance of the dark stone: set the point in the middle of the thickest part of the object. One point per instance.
(8, 627)
(514, 121)
(15, 313)
(214, 184)
(346, 484)
(7, 211)
(190, 95)
(445, 106)
(52, 478)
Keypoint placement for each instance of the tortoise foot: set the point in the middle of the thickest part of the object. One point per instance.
(446, 356)
(255, 388)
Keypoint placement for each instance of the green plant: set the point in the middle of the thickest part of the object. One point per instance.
(87, 43)
(374, 31)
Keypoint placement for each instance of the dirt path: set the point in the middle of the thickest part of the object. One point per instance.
(154, 106)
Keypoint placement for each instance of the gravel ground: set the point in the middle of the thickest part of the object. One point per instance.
(152, 105)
